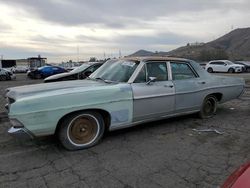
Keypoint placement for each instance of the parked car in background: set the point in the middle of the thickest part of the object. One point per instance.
(20, 69)
(203, 64)
(78, 73)
(45, 71)
(245, 64)
(223, 66)
(240, 178)
(6, 74)
(121, 93)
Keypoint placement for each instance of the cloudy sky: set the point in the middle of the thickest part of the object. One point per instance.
(78, 29)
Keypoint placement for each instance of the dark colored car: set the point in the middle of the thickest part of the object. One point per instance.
(45, 71)
(246, 66)
(240, 178)
(78, 73)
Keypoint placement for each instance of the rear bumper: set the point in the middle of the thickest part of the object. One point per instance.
(13, 77)
(20, 133)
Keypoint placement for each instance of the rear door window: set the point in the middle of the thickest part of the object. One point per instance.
(181, 71)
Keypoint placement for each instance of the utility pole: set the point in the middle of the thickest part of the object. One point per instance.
(120, 54)
(77, 53)
(1, 61)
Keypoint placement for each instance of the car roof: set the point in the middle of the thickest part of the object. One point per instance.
(222, 60)
(154, 58)
(92, 63)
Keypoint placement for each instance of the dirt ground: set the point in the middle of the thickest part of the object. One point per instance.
(167, 153)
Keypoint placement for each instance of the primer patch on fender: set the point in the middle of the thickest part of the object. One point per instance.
(119, 116)
(125, 88)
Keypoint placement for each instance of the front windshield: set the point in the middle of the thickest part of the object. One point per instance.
(80, 68)
(115, 71)
(229, 62)
(40, 68)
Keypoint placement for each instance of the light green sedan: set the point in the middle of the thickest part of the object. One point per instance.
(121, 93)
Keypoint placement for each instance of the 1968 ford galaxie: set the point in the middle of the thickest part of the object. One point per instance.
(122, 93)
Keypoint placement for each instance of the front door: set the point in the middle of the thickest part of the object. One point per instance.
(153, 99)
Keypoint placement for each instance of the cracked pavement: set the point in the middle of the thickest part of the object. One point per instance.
(165, 153)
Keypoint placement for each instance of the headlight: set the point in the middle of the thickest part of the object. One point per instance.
(11, 100)
(5, 93)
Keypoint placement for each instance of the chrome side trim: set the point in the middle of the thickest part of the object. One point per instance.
(181, 93)
(116, 127)
(208, 88)
(153, 96)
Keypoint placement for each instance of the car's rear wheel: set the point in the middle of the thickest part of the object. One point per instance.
(38, 76)
(209, 107)
(3, 77)
(81, 130)
(210, 70)
(231, 70)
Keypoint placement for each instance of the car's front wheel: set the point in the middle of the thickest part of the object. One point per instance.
(3, 77)
(38, 76)
(209, 107)
(81, 130)
(231, 70)
(210, 70)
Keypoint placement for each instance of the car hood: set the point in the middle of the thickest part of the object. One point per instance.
(61, 75)
(236, 65)
(56, 87)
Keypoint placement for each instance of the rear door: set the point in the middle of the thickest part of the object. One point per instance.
(188, 85)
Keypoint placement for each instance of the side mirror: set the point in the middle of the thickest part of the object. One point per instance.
(225, 64)
(151, 79)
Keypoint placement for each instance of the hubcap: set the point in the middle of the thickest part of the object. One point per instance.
(83, 130)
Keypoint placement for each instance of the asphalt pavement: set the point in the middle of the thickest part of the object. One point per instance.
(167, 153)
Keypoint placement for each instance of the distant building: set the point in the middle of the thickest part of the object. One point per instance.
(21, 62)
(31, 62)
(35, 62)
(7, 63)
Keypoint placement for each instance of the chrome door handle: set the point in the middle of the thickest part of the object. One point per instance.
(169, 85)
(202, 82)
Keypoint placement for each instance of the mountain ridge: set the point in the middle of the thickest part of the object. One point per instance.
(234, 45)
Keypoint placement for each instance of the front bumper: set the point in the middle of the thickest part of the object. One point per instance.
(238, 70)
(21, 133)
